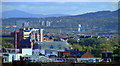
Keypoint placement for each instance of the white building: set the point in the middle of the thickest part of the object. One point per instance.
(79, 27)
(46, 52)
(9, 57)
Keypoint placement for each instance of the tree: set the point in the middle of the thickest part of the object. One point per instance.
(4, 50)
(77, 46)
(117, 50)
(72, 41)
(7, 44)
(96, 45)
(89, 41)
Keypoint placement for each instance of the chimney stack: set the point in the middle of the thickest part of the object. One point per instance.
(41, 35)
(15, 40)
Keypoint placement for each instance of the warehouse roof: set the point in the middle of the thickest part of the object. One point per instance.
(59, 45)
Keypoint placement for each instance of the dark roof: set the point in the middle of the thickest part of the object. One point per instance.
(77, 53)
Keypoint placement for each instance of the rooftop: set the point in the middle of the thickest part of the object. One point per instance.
(58, 45)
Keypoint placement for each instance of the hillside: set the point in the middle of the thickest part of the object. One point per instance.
(22, 14)
(101, 21)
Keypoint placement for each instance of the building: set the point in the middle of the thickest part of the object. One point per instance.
(43, 23)
(48, 23)
(25, 24)
(79, 28)
(15, 54)
(63, 53)
(106, 56)
(39, 59)
(26, 37)
(83, 56)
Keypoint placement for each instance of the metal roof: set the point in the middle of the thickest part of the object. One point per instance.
(58, 45)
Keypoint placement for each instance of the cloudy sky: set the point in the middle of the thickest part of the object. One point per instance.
(71, 8)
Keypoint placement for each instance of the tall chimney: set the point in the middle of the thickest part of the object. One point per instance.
(41, 35)
(15, 40)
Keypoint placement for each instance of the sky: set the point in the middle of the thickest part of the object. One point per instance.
(60, 0)
(69, 8)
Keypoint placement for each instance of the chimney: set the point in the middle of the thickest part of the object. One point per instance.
(41, 35)
(15, 40)
(86, 50)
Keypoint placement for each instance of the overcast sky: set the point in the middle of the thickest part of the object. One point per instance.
(71, 8)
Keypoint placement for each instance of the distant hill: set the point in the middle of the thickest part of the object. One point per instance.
(22, 14)
(101, 21)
